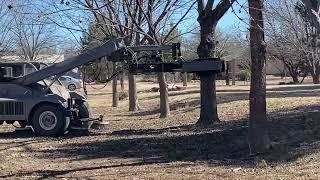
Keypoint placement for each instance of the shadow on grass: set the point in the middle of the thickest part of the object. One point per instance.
(49, 174)
(27, 133)
(223, 144)
(220, 143)
(100, 94)
(294, 133)
(183, 104)
(237, 95)
(26, 137)
(188, 92)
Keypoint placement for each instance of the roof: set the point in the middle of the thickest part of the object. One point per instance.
(45, 58)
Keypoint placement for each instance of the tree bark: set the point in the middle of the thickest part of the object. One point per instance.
(115, 94)
(258, 126)
(315, 78)
(233, 72)
(315, 74)
(122, 81)
(312, 8)
(164, 97)
(295, 79)
(208, 113)
(184, 79)
(133, 99)
(228, 74)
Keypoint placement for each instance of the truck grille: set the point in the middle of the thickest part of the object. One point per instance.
(11, 108)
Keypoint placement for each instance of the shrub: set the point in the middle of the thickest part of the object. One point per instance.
(244, 75)
(190, 77)
(123, 95)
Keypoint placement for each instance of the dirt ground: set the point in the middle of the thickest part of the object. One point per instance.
(139, 145)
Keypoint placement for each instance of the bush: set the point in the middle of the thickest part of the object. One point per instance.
(123, 95)
(244, 75)
(190, 77)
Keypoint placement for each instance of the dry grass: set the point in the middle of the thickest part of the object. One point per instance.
(139, 145)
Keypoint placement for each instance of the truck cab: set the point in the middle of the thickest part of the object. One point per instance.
(47, 106)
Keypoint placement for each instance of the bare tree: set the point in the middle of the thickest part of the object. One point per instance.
(6, 43)
(156, 14)
(258, 128)
(289, 44)
(310, 11)
(112, 23)
(136, 18)
(208, 19)
(313, 12)
(122, 74)
(32, 35)
(31, 39)
(115, 94)
(184, 78)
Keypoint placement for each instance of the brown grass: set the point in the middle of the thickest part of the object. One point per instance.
(139, 145)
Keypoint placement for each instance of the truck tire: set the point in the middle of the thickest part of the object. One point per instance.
(48, 120)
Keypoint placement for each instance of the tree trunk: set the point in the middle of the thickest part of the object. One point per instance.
(295, 79)
(315, 78)
(122, 81)
(315, 74)
(233, 64)
(227, 73)
(258, 126)
(184, 79)
(208, 113)
(133, 99)
(115, 94)
(293, 70)
(164, 97)
(303, 77)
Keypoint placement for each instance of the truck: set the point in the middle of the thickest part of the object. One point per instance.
(30, 93)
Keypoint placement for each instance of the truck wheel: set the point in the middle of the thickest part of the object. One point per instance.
(72, 87)
(48, 120)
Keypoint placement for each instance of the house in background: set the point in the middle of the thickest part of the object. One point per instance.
(47, 59)
(276, 68)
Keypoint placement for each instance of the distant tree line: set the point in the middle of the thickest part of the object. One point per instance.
(293, 38)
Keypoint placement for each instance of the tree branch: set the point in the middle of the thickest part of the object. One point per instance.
(221, 9)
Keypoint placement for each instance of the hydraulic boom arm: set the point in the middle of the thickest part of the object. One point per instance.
(127, 55)
(64, 66)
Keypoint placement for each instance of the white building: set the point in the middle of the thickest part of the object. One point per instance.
(45, 58)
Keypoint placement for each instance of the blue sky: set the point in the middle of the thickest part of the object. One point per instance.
(230, 20)
(229, 23)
